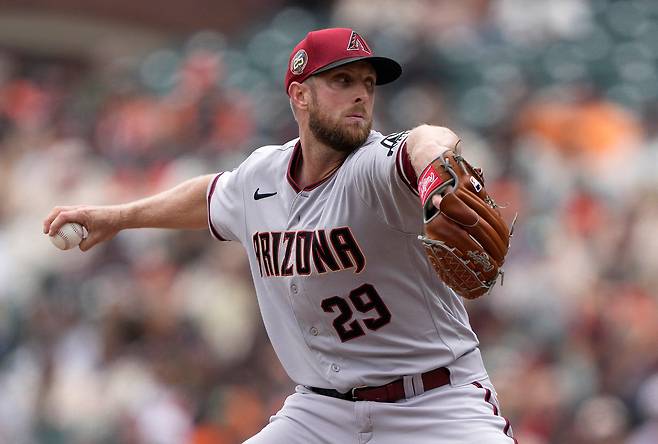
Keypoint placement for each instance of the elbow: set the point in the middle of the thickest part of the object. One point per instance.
(431, 140)
(432, 135)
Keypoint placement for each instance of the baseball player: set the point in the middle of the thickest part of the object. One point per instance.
(380, 347)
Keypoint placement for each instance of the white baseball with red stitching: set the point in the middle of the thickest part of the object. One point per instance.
(69, 235)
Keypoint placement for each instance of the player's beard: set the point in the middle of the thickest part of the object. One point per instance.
(343, 137)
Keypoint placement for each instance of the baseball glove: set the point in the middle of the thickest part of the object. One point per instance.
(466, 238)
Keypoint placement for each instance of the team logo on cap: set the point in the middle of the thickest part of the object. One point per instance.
(357, 43)
(298, 63)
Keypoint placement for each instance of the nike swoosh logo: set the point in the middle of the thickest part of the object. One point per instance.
(258, 196)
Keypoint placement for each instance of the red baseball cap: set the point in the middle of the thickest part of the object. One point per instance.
(325, 49)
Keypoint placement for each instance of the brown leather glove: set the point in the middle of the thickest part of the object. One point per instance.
(466, 238)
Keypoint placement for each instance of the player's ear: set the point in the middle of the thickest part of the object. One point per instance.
(300, 95)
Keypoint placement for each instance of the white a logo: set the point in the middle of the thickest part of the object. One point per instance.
(357, 43)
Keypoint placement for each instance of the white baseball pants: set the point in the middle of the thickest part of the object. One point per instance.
(464, 414)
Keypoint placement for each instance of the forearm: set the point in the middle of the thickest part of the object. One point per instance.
(425, 143)
(182, 207)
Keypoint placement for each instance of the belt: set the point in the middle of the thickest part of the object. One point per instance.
(393, 391)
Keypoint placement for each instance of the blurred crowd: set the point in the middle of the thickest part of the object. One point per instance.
(155, 337)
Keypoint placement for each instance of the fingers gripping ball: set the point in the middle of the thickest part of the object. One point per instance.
(466, 238)
(69, 236)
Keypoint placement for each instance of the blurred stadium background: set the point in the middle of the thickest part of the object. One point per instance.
(156, 337)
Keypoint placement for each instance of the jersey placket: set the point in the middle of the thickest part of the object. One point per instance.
(304, 216)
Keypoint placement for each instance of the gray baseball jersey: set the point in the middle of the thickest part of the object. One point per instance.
(346, 292)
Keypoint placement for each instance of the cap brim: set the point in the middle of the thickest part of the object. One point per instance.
(387, 69)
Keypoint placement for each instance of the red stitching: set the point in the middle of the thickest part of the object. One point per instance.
(487, 399)
(507, 426)
(400, 158)
(213, 230)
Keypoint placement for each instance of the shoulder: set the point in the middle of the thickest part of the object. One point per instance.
(268, 153)
(269, 156)
(379, 144)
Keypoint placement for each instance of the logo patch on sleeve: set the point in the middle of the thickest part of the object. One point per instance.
(392, 140)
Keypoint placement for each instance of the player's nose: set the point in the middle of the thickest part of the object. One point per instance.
(362, 93)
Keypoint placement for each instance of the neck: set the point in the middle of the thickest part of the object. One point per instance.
(318, 159)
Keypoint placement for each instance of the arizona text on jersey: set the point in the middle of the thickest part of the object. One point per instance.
(335, 318)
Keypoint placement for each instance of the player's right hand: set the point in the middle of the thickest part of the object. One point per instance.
(101, 222)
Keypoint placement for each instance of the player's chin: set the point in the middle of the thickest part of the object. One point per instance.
(357, 128)
(356, 139)
(360, 134)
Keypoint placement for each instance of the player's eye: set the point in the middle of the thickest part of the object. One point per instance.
(343, 79)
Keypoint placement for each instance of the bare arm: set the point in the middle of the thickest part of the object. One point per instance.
(425, 143)
(182, 207)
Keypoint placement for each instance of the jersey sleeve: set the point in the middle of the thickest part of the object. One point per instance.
(387, 182)
(225, 206)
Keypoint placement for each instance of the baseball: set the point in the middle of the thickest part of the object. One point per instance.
(69, 235)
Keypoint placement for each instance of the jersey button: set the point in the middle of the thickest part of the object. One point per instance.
(293, 288)
(335, 367)
(314, 331)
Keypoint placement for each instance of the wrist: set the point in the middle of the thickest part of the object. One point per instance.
(429, 180)
(123, 216)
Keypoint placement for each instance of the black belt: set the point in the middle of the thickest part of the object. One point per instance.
(391, 392)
